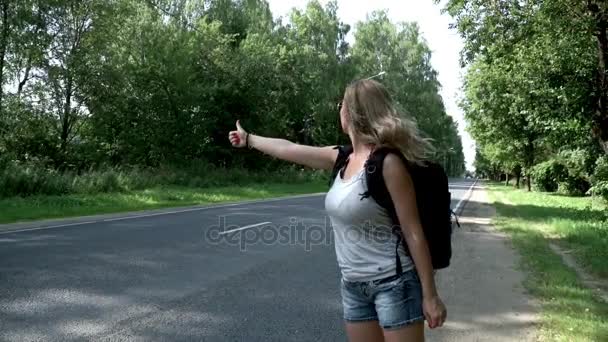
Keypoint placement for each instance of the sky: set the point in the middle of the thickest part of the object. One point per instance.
(444, 43)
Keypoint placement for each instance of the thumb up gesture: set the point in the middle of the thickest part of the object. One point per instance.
(238, 138)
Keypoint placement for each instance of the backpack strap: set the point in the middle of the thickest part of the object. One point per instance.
(344, 152)
(376, 187)
(377, 190)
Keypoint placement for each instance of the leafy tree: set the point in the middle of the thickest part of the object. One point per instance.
(157, 83)
(401, 52)
(536, 74)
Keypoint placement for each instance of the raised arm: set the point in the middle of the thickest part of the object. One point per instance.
(311, 156)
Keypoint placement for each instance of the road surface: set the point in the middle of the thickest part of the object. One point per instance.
(262, 271)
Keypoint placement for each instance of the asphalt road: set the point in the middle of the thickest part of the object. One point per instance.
(172, 276)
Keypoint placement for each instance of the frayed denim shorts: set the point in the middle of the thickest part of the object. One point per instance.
(394, 302)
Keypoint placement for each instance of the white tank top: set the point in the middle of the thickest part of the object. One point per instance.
(365, 244)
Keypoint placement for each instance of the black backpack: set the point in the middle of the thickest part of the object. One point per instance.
(433, 199)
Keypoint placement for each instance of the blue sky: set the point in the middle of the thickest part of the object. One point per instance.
(445, 44)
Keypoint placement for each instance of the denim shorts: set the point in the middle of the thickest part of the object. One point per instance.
(394, 302)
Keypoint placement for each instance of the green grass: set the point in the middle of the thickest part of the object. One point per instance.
(43, 207)
(570, 311)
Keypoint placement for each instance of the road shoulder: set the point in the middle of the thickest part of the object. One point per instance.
(84, 220)
(483, 288)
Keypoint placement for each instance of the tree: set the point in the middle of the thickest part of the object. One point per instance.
(563, 42)
(157, 83)
(533, 86)
(400, 51)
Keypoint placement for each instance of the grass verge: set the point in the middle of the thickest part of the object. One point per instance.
(570, 311)
(43, 207)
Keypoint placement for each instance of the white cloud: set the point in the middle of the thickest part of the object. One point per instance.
(445, 43)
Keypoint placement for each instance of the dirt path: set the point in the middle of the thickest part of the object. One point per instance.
(483, 288)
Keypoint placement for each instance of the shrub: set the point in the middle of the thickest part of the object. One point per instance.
(578, 164)
(573, 186)
(547, 175)
(25, 179)
(599, 180)
(33, 178)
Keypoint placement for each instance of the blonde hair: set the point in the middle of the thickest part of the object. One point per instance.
(373, 118)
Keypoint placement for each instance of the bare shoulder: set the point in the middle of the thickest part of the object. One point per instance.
(397, 179)
(393, 166)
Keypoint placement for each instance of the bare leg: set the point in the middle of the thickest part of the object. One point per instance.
(369, 331)
(409, 333)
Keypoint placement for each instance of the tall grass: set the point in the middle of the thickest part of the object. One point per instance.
(24, 180)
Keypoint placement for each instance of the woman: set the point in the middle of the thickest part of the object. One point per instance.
(378, 305)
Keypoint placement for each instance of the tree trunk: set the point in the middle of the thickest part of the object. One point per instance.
(3, 45)
(517, 179)
(604, 145)
(28, 66)
(67, 113)
(529, 158)
(600, 119)
(507, 181)
(26, 77)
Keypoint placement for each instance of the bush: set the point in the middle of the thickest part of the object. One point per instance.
(547, 175)
(599, 180)
(32, 178)
(600, 189)
(568, 173)
(91, 182)
(600, 172)
(573, 186)
(578, 163)
(25, 179)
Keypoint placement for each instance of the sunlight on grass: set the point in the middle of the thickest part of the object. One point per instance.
(570, 311)
(571, 222)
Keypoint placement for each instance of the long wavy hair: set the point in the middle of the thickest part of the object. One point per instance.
(373, 118)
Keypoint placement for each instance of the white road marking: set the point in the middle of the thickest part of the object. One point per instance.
(187, 210)
(157, 214)
(48, 227)
(465, 197)
(246, 227)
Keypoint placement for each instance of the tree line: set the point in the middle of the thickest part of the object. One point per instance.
(93, 84)
(536, 90)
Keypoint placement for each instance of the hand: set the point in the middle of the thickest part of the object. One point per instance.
(434, 311)
(238, 138)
